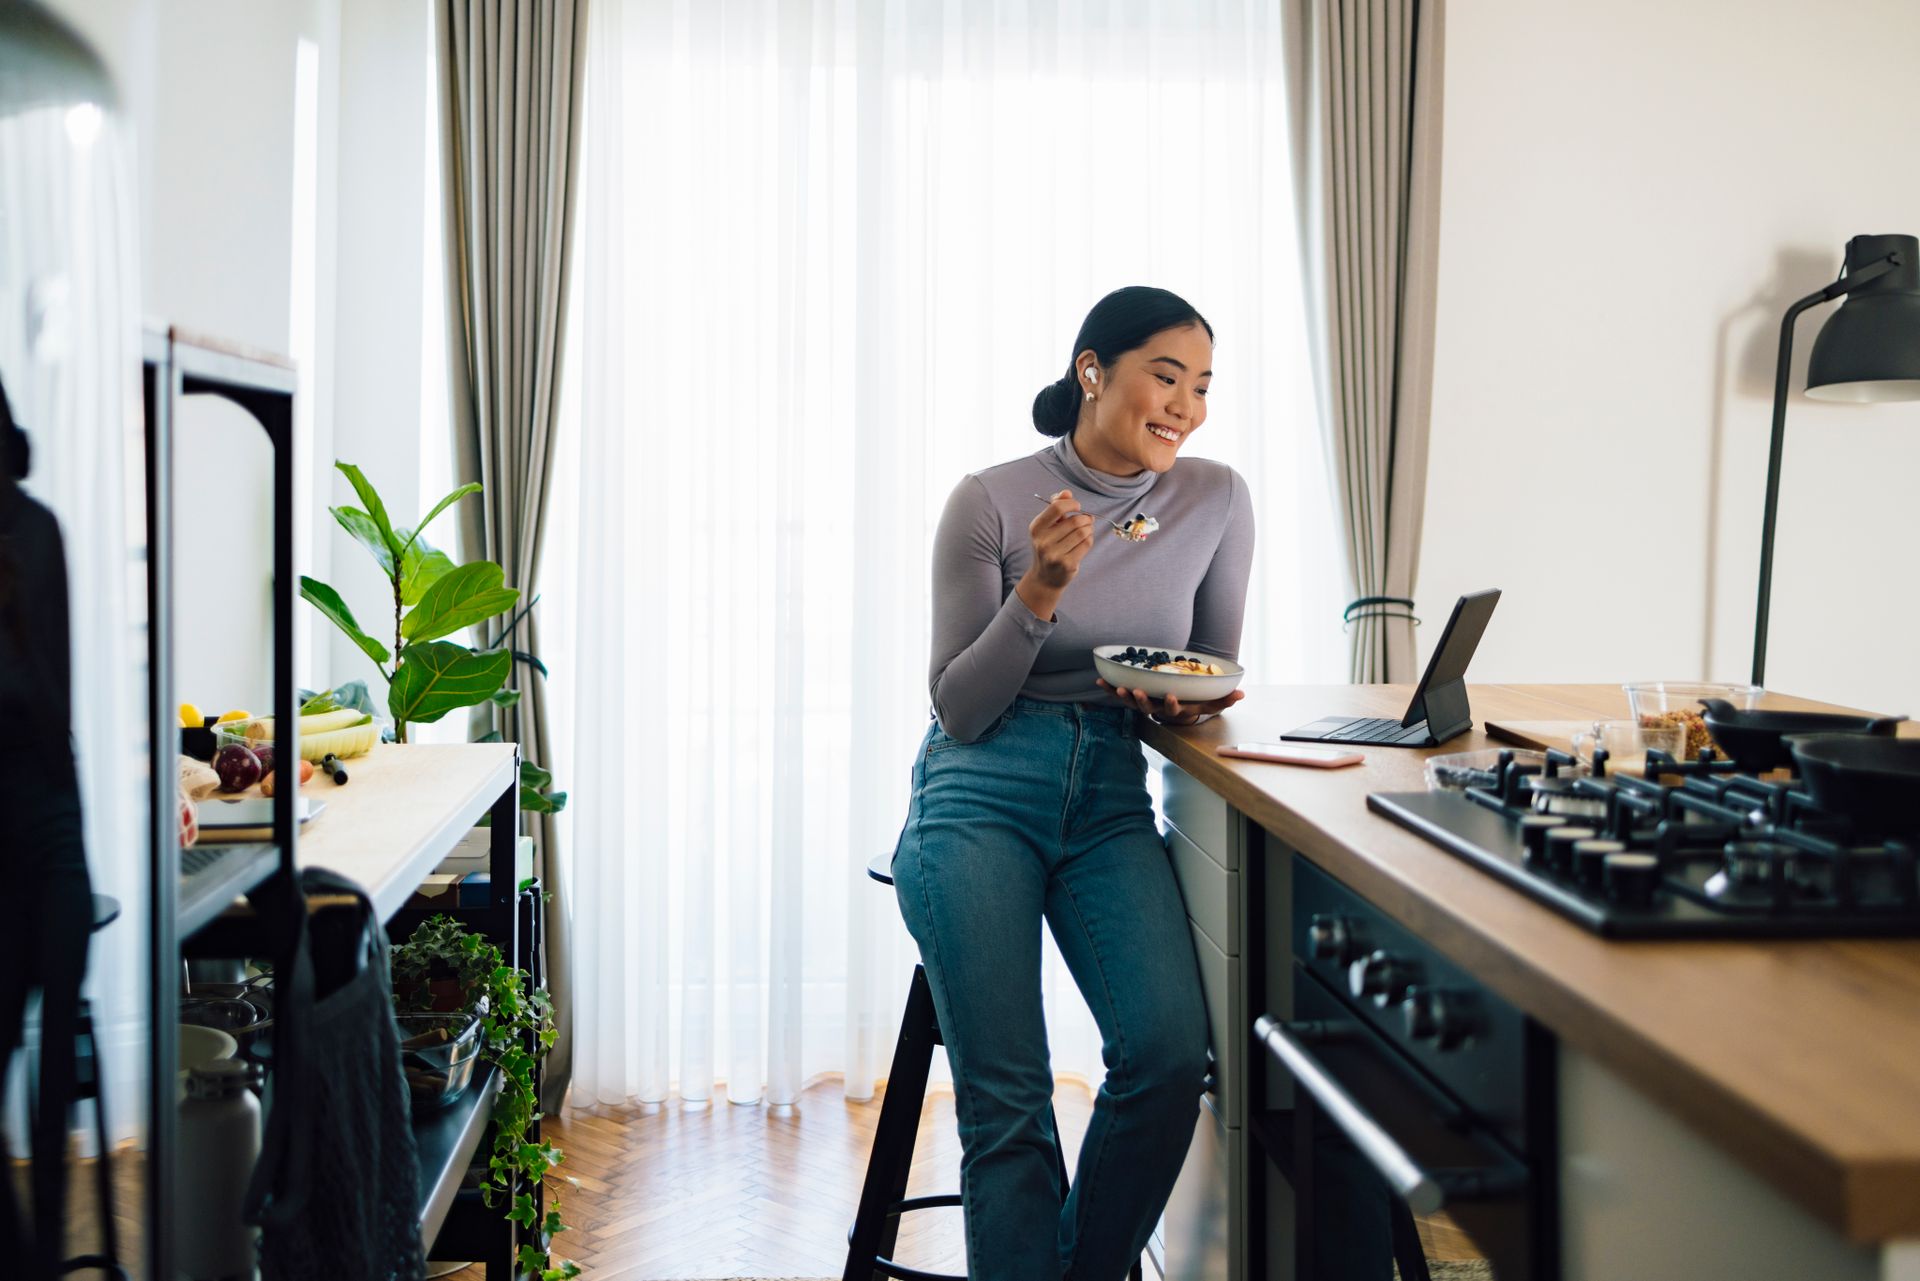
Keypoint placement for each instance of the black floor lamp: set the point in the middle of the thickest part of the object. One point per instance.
(1868, 351)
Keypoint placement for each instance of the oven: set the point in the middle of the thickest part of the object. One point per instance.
(1414, 1089)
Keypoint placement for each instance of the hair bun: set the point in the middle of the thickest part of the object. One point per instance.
(1057, 408)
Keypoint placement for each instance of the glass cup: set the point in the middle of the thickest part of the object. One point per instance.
(1627, 744)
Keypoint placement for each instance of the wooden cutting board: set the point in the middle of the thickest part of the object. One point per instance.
(1539, 735)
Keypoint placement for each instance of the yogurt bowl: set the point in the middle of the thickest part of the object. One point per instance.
(1149, 669)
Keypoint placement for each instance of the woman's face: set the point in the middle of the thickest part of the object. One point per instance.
(1146, 403)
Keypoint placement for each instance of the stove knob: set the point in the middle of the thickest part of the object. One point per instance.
(1631, 878)
(1332, 938)
(1381, 976)
(1443, 1017)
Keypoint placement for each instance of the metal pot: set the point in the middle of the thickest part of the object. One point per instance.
(1872, 780)
(1754, 738)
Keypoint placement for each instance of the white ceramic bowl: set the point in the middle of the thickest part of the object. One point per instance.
(1184, 686)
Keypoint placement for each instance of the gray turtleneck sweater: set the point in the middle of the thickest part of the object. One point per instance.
(1183, 588)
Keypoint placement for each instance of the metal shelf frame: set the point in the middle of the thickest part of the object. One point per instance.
(177, 364)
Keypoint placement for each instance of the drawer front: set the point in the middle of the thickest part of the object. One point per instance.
(1228, 1028)
(1200, 814)
(1209, 891)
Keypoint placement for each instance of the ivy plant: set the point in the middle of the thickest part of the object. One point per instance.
(516, 1020)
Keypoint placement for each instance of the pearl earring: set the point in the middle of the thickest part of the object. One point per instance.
(1089, 395)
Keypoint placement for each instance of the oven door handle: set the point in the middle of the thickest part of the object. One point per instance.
(1422, 1191)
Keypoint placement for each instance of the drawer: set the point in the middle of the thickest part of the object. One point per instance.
(1228, 1027)
(1209, 890)
(1200, 814)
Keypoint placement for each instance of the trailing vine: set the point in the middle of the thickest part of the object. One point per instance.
(516, 1021)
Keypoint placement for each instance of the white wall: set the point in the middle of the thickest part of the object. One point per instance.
(210, 87)
(1633, 192)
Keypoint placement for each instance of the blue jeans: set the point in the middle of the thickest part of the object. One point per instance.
(1047, 815)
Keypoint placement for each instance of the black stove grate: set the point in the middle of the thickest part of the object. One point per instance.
(1721, 854)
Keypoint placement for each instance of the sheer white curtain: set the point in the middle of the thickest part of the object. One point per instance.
(831, 250)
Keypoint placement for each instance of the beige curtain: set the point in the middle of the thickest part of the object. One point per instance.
(510, 102)
(1366, 95)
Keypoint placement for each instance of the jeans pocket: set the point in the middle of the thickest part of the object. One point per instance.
(940, 741)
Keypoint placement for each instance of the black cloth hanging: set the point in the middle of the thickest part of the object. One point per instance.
(336, 1190)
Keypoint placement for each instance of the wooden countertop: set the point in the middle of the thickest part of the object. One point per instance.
(1801, 1059)
(399, 813)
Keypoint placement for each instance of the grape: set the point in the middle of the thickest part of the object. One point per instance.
(237, 767)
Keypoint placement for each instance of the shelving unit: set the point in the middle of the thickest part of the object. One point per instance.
(401, 813)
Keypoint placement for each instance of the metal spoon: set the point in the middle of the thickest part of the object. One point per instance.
(1118, 525)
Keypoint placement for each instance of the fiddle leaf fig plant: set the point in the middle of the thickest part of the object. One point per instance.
(433, 601)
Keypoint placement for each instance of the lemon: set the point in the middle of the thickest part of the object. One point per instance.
(234, 716)
(190, 717)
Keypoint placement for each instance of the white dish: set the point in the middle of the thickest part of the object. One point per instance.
(1185, 686)
(197, 1045)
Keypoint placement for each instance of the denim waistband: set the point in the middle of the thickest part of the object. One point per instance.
(1120, 718)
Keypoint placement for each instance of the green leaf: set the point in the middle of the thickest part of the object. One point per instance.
(366, 533)
(442, 505)
(328, 602)
(532, 775)
(420, 569)
(435, 677)
(376, 510)
(521, 656)
(532, 802)
(505, 698)
(491, 736)
(461, 598)
(353, 694)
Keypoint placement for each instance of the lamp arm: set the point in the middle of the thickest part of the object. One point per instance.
(1782, 367)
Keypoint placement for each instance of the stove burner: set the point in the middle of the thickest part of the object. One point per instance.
(1695, 848)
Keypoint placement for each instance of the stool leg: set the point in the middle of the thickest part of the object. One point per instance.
(103, 1166)
(875, 1228)
(1408, 1254)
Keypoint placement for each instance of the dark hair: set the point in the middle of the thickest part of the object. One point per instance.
(1118, 323)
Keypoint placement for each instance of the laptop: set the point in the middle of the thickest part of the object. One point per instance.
(1439, 708)
(231, 859)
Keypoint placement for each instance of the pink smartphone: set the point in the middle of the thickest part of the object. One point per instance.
(1293, 754)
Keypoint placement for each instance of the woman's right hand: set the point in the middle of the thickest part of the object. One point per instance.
(1061, 536)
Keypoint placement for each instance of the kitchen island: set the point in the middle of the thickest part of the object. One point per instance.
(1743, 1109)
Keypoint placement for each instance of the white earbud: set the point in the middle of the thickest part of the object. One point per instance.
(1093, 375)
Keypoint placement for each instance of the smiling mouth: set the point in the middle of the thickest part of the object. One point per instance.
(1164, 433)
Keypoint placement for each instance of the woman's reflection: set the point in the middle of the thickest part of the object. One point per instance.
(45, 908)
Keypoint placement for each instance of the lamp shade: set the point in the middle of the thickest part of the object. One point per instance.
(1869, 349)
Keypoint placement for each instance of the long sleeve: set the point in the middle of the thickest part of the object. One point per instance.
(1220, 606)
(983, 646)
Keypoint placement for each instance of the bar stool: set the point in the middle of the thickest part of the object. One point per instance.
(88, 1084)
(883, 1196)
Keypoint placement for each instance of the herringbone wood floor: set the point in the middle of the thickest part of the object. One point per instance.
(705, 1192)
(680, 1192)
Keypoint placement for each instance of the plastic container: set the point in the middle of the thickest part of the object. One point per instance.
(438, 1052)
(1678, 703)
(1457, 771)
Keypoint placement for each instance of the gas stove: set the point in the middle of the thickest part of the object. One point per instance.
(1720, 853)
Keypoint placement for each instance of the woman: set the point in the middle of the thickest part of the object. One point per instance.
(43, 943)
(1029, 798)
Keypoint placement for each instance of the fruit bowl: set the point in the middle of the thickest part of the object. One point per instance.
(1188, 687)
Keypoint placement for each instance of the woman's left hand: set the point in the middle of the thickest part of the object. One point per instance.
(1170, 710)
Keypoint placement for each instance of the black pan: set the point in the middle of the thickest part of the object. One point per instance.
(1752, 738)
(1874, 781)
